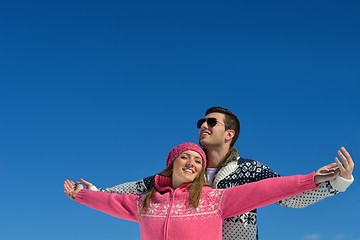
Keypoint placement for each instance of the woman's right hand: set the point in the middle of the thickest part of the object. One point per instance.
(71, 188)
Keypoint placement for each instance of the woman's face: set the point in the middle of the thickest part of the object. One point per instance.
(186, 167)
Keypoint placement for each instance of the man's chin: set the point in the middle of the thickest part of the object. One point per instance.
(203, 142)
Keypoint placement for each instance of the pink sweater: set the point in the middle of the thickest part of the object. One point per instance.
(170, 217)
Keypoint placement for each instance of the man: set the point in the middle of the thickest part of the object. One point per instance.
(218, 133)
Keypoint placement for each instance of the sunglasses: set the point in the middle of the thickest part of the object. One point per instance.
(211, 122)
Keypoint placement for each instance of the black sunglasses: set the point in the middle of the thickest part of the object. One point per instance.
(211, 122)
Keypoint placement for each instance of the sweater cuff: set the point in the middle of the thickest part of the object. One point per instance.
(93, 188)
(81, 195)
(309, 181)
(340, 184)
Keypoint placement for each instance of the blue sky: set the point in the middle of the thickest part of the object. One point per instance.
(103, 90)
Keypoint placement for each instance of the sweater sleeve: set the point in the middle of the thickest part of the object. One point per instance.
(324, 190)
(302, 200)
(243, 198)
(122, 206)
(135, 187)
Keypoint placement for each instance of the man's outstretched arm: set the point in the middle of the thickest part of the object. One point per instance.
(327, 189)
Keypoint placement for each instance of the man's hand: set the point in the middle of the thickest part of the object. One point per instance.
(347, 165)
(87, 184)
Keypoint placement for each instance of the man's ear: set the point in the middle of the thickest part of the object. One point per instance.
(230, 134)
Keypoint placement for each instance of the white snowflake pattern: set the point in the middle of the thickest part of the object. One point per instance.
(216, 194)
(165, 209)
(177, 209)
(153, 208)
(202, 205)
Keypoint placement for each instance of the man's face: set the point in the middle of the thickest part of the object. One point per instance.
(213, 136)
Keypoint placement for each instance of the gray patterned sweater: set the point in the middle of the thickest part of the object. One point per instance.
(237, 171)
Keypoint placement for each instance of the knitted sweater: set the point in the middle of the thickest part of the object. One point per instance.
(237, 171)
(170, 217)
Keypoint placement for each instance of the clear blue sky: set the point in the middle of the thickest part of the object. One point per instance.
(104, 89)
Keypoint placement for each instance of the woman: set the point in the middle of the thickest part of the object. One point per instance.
(181, 206)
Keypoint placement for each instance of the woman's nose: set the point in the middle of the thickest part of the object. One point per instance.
(190, 162)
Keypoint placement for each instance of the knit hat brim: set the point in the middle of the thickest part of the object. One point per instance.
(182, 147)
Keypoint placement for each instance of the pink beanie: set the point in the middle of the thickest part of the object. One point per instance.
(182, 147)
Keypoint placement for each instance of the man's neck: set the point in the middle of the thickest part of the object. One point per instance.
(215, 156)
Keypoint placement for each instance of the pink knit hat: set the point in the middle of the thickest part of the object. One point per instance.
(182, 147)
